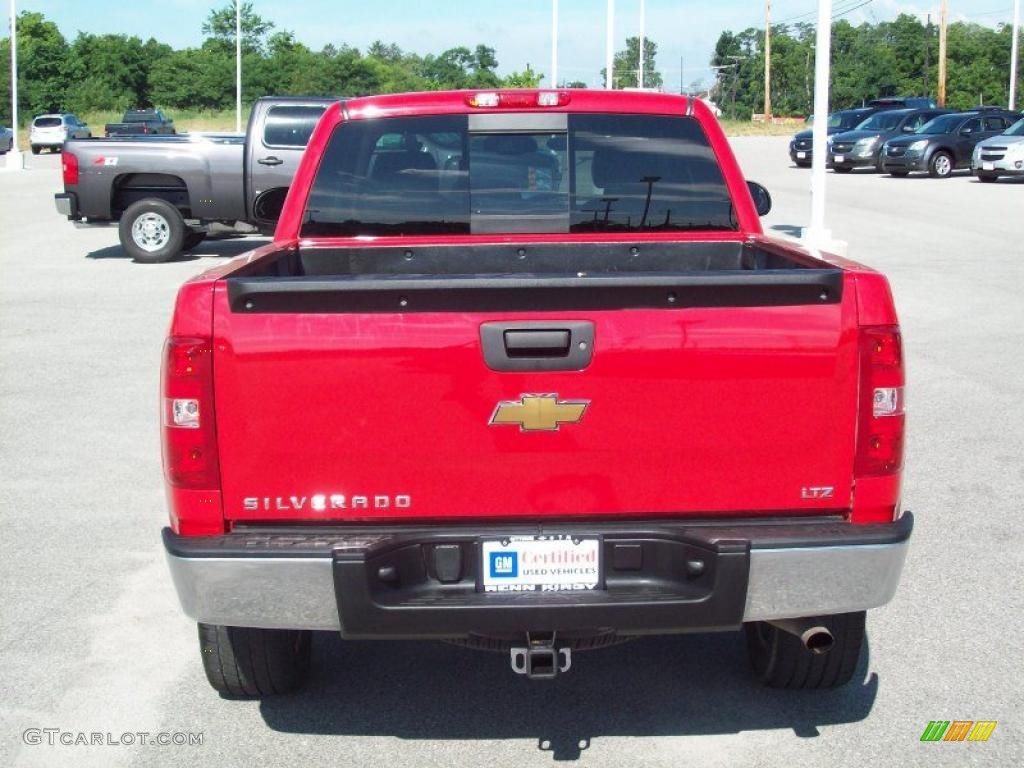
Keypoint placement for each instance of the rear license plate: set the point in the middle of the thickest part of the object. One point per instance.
(988, 166)
(839, 159)
(541, 563)
(801, 155)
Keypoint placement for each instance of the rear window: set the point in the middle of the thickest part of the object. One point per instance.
(431, 174)
(47, 122)
(290, 126)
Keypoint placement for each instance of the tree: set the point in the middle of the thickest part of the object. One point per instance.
(110, 71)
(219, 27)
(525, 79)
(42, 76)
(626, 65)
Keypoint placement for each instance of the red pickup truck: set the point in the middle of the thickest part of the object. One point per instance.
(521, 371)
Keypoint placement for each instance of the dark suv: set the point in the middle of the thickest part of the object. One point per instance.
(862, 147)
(801, 148)
(944, 144)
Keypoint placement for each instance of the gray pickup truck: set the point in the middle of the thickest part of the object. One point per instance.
(167, 193)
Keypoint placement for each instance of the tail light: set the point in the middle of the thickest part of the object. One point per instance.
(882, 419)
(69, 166)
(188, 424)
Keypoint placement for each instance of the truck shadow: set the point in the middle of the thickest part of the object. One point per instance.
(227, 248)
(661, 686)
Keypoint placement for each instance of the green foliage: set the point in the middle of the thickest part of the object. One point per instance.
(893, 58)
(219, 28)
(626, 65)
(525, 79)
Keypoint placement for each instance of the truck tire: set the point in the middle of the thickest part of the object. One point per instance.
(192, 239)
(941, 165)
(779, 660)
(246, 662)
(152, 231)
(35, 149)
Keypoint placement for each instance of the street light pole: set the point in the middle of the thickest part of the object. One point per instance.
(609, 45)
(943, 31)
(816, 235)
(1015, 53)
(238, 66)
(643, 23)
(14, 157)
(554, 44)
(768, 60)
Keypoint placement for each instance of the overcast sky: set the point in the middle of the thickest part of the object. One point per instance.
(520, 30)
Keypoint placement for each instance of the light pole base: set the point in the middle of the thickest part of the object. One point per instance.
(14, 160)
(822, 240)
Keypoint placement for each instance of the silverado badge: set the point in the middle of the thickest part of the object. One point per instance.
(535, 413)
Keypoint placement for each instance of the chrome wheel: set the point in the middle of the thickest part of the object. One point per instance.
(943, 165)
(151, 232)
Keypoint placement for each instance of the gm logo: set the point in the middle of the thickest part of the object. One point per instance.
(504, 565)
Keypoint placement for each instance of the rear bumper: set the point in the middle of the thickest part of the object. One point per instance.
(67, 205)
(689, 577)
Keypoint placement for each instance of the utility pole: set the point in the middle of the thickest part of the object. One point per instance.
(238, 66)
(928, 57)
(1014, 55)
(609, 46)
(554, 44)
(768, 60)
(643, 21)
(943, 14)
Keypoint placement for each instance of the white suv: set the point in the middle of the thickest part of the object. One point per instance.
(51, 131)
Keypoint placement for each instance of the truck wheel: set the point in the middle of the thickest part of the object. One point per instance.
(152, 231)
(249, 663)
(35, 149)
(779, 659)
(192, 239)
(940, 166)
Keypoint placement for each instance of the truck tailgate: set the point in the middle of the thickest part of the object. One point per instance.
(695, 411)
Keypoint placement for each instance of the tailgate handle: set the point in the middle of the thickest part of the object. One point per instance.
(537, 345)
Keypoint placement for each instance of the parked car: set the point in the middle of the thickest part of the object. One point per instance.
(51, 131)
(862, 147)
(6, 140)
(1001, 155)
(801, 147)
(907, 102)
(944, 144)
(456, 398)
(141, 121)
(167, 193)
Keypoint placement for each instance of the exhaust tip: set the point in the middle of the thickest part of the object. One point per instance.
(818, 640)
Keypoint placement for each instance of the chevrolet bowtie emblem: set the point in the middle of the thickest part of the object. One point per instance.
(535, 413)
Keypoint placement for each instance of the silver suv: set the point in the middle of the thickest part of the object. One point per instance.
(51, 131)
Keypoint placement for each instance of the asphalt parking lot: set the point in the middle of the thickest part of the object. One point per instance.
(93, 640)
